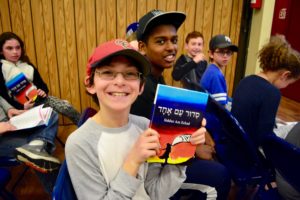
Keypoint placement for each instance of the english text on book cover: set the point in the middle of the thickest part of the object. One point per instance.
(22, 89)
(177, 113)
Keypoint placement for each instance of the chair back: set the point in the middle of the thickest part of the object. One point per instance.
(5, 176)
(63, 189)
(6, 161)
(285, 157)
(87, 113)
(234, 147)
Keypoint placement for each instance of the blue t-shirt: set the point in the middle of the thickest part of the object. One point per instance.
(214, 82)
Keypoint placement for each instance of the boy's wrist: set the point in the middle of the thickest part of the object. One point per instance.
(131, 167)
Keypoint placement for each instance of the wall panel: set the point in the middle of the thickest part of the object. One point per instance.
(60, 35)
(5, 16)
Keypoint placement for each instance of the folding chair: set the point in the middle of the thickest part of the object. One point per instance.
(63, 189)
(285, 157)
(235, 150)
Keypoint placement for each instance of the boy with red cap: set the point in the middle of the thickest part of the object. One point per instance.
(107, 155)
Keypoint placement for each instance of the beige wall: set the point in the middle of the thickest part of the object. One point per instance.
(260, 33)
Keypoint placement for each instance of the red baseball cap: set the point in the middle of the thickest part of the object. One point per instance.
(115, 48)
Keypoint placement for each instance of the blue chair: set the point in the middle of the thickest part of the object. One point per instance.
(63, 189)
(6, 161)
(235, 150)
(285, 157)
(4, 179)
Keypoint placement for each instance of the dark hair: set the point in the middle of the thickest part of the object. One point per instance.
(194, 34)
(278, 54)
(8, 36)
(107, 62)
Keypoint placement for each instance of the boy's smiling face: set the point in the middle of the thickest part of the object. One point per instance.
(117, 93)
(161, 47)
(194, 46)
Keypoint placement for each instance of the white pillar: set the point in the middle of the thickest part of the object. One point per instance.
(259, 34)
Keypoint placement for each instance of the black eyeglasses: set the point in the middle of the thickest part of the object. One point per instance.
(224, 52)
(110, 75)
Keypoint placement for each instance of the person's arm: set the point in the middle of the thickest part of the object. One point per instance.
(9, 110)
(87, 176)
(164, 181)
(201, 67)
(38, 81)
(5, 105)
(13, 112)
(267, 114)
(6, 127)
(182, 67)
(4, 92)
(146, 146)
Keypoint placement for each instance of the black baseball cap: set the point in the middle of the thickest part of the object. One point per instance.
(156, 17)
(221, 42)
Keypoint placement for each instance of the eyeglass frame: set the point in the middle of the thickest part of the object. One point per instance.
(224, 53)
(114, 75)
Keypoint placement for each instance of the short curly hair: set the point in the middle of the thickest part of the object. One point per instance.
(193, 34)
(278, 54)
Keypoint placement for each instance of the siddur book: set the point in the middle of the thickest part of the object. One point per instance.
(22, 89)
(177, 113)
(36, 116)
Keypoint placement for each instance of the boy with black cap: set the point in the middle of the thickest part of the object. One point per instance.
(106, 155)
(157, 36)
(213, 80)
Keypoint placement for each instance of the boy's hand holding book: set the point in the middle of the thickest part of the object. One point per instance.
(198, 137)
(178, 118)
(147, 145)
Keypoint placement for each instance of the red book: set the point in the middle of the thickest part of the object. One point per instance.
(22, 89)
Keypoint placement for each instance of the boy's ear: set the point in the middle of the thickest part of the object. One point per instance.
(88, 87)
(185, 46)
(211, 54)
(285, 75)
(142, 89)
(142, 47)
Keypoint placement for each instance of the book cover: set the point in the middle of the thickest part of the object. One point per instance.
(177, 113)
(36, 116)
(22, 89)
